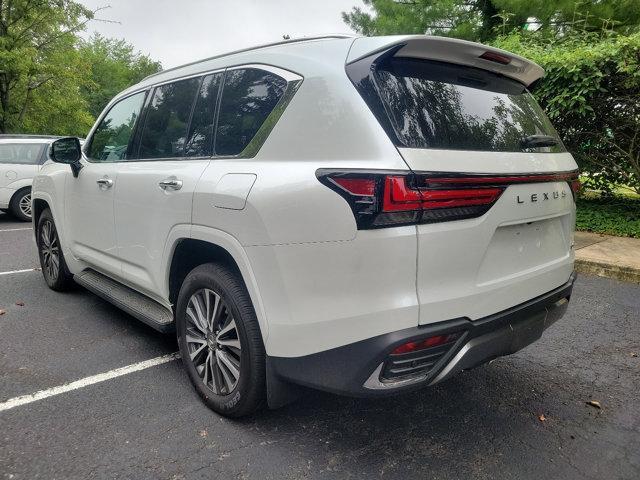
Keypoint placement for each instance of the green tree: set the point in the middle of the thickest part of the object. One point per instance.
(39, 72)
(115, 65)
(482, 20)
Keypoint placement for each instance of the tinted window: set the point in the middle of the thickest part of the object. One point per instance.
(111, 139)
(167, 118)
(21, 153)
(200, 137)
(248, 97)
(439, 105)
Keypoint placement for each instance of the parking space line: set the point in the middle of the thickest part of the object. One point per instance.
(85, 382)
(15, 229)
(11, 272)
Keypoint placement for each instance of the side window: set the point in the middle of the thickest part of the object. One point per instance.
(111, 139)
(166, 119)
(21, 153)
(248, 97)
(200, 136)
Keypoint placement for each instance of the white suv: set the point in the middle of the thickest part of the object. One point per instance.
(359, 215)
(21, 157)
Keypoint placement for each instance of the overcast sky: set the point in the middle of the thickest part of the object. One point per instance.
(180, 31)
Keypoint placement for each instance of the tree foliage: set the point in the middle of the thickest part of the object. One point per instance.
(114, 65)
(51, 81)
(34, 37)
(482, 20)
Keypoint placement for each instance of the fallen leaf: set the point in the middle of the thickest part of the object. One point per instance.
(594, 404)
(20, 303)
(542, 418)
(2, 312)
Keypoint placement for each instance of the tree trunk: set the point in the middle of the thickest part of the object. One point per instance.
(490, 21)
(4, 102)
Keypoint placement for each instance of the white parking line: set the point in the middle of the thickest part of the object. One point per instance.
(15, 229)
(11, 272)
(85, 382)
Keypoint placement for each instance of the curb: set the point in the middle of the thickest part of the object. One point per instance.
(609, 270)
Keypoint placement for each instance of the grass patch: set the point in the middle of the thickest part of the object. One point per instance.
(612, 216)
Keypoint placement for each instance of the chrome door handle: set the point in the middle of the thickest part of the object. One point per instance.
(105, 182)
(170, 184)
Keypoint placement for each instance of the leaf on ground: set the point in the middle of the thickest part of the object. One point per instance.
(594, 404)
(542, 418)
(20, 303)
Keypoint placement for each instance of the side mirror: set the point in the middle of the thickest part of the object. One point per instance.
(67, 150)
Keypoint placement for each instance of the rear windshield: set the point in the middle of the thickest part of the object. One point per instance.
(427, 104)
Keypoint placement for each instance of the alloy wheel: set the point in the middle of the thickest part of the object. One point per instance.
(50, 248)
(25, 205)
(213, 341)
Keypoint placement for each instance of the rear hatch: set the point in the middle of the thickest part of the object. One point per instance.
(495, 181)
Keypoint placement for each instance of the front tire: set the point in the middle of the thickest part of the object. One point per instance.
(54, 268)
(20, 205)
(220, 340)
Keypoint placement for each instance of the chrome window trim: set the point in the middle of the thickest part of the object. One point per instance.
(294, 80)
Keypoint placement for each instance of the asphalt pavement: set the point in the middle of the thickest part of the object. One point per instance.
(523, 417)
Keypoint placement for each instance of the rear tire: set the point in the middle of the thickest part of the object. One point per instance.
(220, 340)
(20, 205)
(54, 268)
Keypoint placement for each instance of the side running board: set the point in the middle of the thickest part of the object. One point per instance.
(127, 299)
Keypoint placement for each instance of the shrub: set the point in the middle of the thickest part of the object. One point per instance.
(613, 216)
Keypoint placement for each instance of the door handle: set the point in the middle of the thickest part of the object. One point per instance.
(105, 183)
(170, 184)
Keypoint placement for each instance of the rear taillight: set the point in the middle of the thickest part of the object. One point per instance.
(425, 343)
(384, 199)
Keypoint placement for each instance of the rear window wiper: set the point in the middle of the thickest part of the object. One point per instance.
(535, 141)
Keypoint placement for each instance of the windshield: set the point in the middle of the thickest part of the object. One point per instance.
(429, 104)
(21, 153)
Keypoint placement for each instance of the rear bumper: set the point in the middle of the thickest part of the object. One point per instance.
(355, 369)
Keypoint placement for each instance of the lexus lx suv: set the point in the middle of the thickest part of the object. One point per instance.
(362, 215)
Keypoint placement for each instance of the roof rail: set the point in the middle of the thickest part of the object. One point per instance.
(257, 47)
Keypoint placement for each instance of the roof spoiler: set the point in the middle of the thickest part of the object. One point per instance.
(451, 50)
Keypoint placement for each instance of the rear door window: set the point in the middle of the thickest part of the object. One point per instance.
(200, 136)
(248, 97)
(110, 141)
(428, 104)
(21, 153)
(167, 118)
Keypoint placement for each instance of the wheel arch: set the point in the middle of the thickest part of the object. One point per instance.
(38, 205)
(206, 245)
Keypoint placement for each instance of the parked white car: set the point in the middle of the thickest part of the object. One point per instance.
(359, 215)
(21, 157)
